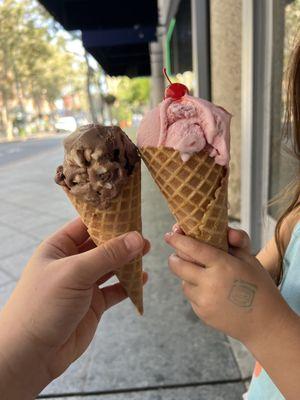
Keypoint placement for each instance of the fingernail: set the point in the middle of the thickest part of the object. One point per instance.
(133, 241)
(176, 229)
(168, 235)
(147, 247)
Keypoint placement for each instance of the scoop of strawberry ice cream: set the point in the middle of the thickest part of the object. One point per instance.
(186, 137)
(188, 125)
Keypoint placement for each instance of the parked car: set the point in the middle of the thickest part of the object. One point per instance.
(66, 124)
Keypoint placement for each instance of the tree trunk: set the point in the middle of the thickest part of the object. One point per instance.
(19, 89)
(101, 99)
(6, 121)
(88, 89)
(37, 107)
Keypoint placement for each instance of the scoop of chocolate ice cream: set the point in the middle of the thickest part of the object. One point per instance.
(98, 161)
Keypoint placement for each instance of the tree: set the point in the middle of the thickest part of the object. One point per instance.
(34, 63)
(89, 78)
(132, 95)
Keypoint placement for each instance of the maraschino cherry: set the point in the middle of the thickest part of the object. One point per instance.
(174, 90)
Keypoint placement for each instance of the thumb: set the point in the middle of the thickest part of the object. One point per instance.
(87, 268)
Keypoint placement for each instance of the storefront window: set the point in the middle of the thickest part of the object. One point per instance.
(283, 166)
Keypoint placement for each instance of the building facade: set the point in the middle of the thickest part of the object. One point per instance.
(239, 50)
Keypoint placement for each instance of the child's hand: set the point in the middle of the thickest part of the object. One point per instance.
(239, 241)
(231, 293)
(54, 311)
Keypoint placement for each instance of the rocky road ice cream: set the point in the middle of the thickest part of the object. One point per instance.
(97, 163)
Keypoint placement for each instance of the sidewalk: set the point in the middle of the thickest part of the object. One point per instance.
(168, 353)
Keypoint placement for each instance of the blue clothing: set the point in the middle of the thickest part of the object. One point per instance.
(262, 387)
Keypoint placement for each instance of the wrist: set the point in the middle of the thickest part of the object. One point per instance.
(23, 367)
(276, 327)
(278, 351)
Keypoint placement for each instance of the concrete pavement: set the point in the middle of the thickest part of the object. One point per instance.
(168, 353)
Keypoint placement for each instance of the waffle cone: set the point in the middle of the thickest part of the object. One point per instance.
(123, 215)
(196, 192)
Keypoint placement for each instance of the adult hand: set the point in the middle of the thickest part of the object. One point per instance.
(54, 311)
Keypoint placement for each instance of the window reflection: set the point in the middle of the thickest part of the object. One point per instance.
(283, 166)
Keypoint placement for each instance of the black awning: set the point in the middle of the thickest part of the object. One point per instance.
(94, 14)
(115, 32)
(116, 37)
(130, 60)
(121, 51)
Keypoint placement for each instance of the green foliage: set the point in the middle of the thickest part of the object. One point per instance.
(37, 68)
(133, 91)
(132, 95)
(34, 63)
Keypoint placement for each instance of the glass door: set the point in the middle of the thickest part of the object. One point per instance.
(282, 165)
(269, 35)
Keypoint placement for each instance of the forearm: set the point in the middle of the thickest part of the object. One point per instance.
(22, 369)
(273, 270)
(279, 354)
(269, 259)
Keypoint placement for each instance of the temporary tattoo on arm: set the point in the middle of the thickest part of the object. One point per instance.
(242, 293)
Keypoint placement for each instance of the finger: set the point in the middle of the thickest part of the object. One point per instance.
(176, 229)
(191, 292)
(145, 277)
(114, 294)
(147, 247)
(201, 252)
(86, 246)
(75, 230)
(89, 245)
(239, 238)
(196, 309)
(86, 268)
(65, 241)
(240, 254)
(187, 257)
(185, 270)
(105, 278)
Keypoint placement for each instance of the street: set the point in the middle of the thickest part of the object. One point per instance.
(18, 150)
(166, 354)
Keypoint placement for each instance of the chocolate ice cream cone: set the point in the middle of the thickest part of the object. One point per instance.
(101, 174)
(123, 215)
(196, 192)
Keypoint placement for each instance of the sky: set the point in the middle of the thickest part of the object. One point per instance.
(75, 46)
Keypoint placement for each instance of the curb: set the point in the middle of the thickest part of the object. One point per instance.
(25, 138)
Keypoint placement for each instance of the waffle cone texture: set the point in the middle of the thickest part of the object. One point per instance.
(196, 192)
(123, 215)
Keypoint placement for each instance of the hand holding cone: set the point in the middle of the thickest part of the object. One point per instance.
(108, 205)
(184, 142)
(185, 145)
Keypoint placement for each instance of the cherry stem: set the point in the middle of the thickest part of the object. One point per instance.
(166, 75)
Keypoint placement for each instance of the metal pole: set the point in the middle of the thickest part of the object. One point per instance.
(201, 48)
(257, 22)
(157, 77)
